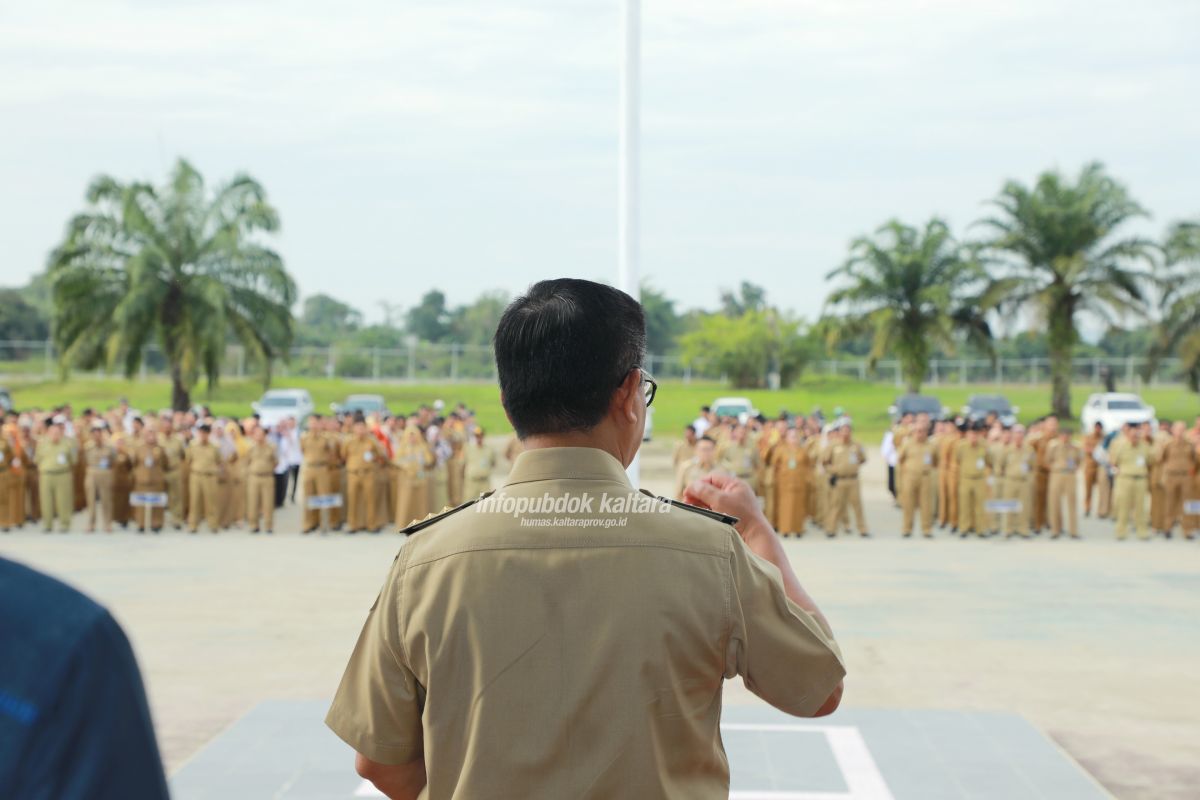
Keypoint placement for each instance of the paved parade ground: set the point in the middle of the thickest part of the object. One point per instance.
(977, 668)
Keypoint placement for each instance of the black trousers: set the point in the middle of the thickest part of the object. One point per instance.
(892, 480)
(294, 472)
(281, 481)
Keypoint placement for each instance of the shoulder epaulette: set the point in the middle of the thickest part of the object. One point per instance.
(445, 512)
(704, 512)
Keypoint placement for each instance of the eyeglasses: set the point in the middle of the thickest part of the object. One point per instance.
(651, 387)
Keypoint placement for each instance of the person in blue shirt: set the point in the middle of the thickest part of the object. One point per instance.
(74, 722)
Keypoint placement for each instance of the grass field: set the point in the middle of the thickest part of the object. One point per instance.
(675, 405)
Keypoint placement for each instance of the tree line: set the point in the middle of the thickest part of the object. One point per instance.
(186, 267)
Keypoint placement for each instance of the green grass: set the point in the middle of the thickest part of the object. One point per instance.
(675, 406)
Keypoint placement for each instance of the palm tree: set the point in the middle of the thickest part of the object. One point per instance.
(1056, 255)
(914, 291)
(176, 265)
(1179, 329)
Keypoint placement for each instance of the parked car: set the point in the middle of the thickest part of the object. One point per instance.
(279, 404)
(739, 407)
(917, 404)
(6, 403)
(366, 403)
(980, 405)
(1113, 409)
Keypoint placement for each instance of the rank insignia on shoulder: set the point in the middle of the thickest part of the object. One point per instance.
(431, 518)
(705, 512)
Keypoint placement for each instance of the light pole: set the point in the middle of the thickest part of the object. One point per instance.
(627, 181)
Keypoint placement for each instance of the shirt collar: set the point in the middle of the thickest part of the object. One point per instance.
(566, 463)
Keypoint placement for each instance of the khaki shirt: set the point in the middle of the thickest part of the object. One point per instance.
(52, 458)
(7, 453)
(739, 459)
(100, 456)
(845, 460)
(315, 447)
(565, 661)
(481, 460)
(1179, 458)
(1133, 460)
(363, 455)
(1018, 463)
(261, 459)
(173, 446)
(973, 459)
(1063, 457)
(149, 464)
(917, 458)
(204, 459)
(683, 451)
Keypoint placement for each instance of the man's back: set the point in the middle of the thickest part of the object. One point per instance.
(551, 652)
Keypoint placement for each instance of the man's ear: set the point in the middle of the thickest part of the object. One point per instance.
(625, 399)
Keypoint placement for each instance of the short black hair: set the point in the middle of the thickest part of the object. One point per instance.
(562, 350)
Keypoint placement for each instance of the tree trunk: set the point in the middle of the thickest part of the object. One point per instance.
(180, 399)
(1060, 340)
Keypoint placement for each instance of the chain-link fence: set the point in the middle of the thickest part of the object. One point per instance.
(426, 362)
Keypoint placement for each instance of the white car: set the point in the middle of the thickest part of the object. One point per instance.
(1112, 410)
(279, 404)
(739, 407)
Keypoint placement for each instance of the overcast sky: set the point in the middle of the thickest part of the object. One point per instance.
(471, 144)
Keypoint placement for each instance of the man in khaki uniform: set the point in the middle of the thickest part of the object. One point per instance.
(1178, 467)
(1158, 506)
(843, 461)
(1131, 461)
(916, 464)
(739, 457)
(55, 459)
(973, 461)
(560, 687)
(704, 462)
(261, 460)
(480, 463)
(172, 444)
(948, 476)
(1093, 474)
(8, 476)
(685, 448)
(364, 456)
(1016, 472)
(99, 458)
(316, 471)
(149, 476)
(204, 467)
(1064, 458)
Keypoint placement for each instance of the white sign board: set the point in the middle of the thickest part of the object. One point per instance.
(324, 501)
(1002, 506)
(148, 499)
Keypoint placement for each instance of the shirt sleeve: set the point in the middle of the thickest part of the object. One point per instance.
(780, 650)
(377, 708)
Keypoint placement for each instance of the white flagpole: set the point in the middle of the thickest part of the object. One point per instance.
(628, 279)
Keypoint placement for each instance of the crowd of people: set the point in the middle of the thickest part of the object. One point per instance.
(972, 477)
(192, 469)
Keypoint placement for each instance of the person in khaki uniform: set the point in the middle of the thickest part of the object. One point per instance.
(204, 467)
(172, 444)
(123, 478)
(1158, 505)
(771, 438)
(55, 458)
(916, 465)
(1177, 470)
(8, 475)
(1092, 472)
(99, 458)
(948, 476)
(1131, 461)
(1064, 458)
(413, 461)
(316, 471)
(704, 462)
(1016, 473)
(739, 457)
(790, 467)
(150, 476)
(843, 461)
(260, 461)
(818, 482)
(974, 461)
(685, 448)
(456, 466)
(480, 463)
(560, 686)
(1046, 433)
(364, 456)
